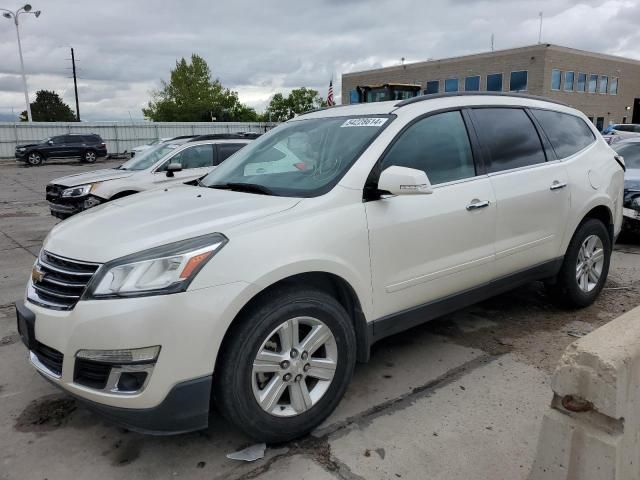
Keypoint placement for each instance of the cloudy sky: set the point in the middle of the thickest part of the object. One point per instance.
(124, 47)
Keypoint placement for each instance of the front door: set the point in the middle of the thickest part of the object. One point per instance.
(427, 247)
(196, 161)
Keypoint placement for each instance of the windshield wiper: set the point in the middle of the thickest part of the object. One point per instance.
(244, 187)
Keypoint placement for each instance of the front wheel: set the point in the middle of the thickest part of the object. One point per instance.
(34, 159)
(286, 365)
(585, 267)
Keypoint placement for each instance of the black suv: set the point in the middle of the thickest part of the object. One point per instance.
(86, 147)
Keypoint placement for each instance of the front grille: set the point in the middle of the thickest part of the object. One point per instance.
(59, 282)
(91, 374)
(49, 357)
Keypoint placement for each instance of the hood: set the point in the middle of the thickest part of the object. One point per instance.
(26, 145)
(155, 218)
(91, 177)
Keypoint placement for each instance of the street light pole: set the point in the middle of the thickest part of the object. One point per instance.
(14, 15)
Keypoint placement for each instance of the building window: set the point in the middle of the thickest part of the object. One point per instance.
(613, 87)
(451, 85)
(494, 82)
(593, 83)
(581, 84)
(568, 81)
(433, 86)
(604, 83)
(556, 78)
(600, 123)
(590, 119)
(354, 96)
(518, 81)
(624, 119)
(472, 84)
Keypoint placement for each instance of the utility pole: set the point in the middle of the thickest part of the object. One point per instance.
(540, 30)
(75, 84)
(492, 39)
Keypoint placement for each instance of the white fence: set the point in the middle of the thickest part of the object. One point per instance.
(119, 136)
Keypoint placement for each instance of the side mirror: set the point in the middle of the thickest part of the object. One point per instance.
(50, 142)
(404, 181)
(172, 168)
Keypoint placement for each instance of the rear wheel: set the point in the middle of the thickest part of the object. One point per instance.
(585, 267)
(286, 365)
(89, 156)
(34, 159)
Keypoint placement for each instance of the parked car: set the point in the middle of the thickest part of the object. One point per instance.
(159, 166)
(617, 132)
(630, 150)
(257, 291)
(157, 141)
(86, 147)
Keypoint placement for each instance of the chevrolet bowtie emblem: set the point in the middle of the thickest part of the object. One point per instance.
(37, 275)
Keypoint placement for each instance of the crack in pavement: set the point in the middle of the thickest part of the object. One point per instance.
(18, 243)
(316, 444)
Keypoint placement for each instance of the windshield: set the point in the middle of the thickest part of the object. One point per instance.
(148, 157)
(631, 154)
(302, 158)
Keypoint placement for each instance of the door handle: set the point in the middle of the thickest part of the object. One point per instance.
(476, 204)
(556, 185)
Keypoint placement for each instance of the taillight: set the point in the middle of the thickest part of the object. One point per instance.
(300, 165)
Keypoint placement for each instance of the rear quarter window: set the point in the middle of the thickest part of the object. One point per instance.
(567, 133)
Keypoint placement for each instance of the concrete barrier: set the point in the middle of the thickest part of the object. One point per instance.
(592, 428)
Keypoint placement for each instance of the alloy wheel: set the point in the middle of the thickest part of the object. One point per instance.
(90, 157)
(589, 264)
(294, 367)
(34, 159)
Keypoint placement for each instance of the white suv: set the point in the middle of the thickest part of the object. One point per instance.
(161, 165)
(261, 287)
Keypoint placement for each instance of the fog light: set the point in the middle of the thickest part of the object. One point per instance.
(131, 381)
(121, 357)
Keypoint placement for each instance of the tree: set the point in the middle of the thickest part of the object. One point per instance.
(192, 96)
(300, 100)
(49, 107)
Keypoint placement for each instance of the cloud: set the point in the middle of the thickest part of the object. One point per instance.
(124, 48)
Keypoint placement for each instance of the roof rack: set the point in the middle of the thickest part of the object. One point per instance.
(225, 136)
(432, 96)
(321, 109)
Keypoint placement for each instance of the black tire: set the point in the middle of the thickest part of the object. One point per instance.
(35, 159)
(89, 156)
(564, 289)
(233, 391)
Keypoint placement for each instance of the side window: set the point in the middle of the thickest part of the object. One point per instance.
(58, 140)
(438, 145)
(225, 150)
(509, 138)
(568, 134)
(73, 139)
(197, 156)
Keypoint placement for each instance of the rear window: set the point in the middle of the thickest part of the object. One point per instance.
(509, 138)
(568, 134)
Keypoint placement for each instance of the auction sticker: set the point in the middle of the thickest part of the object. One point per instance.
(364, 122)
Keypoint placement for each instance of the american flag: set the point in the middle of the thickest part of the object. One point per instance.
(330, 102)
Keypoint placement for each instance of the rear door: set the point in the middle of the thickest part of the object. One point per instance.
(530, 185)
(196, 161)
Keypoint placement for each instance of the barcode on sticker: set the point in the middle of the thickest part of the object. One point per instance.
(364, 122)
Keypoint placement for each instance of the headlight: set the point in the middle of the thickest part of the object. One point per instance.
(158, 271)
(21, 149)
(79, 191)
(636, 202)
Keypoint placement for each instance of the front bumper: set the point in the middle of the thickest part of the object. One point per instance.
(188, 326)
(64, 207)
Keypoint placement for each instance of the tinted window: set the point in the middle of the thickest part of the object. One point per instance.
(518, 81)
(451, 85)
(600, 123)
(194, 157)
(568, 134)
(494, 82)
(568, 81)
(472, 84)
(631, 154)
(438, 145)
(593, 82)
(509, 138)
(613, 88)
(58, 140)
(582, 82)
(556, 78)
(432, 87)
(604, 83)
(225, 150)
